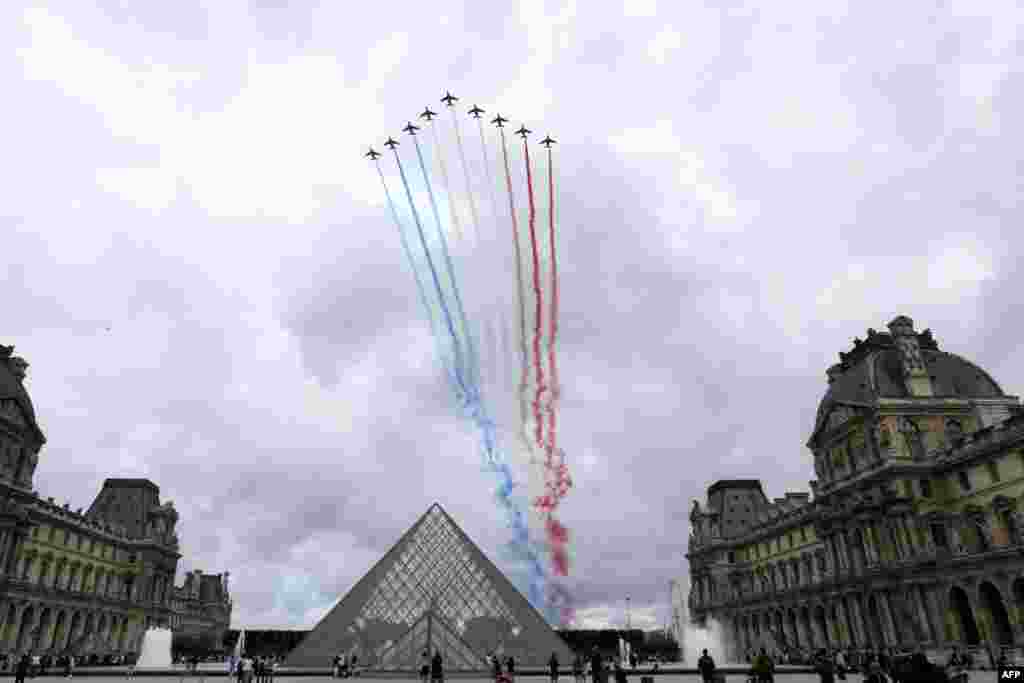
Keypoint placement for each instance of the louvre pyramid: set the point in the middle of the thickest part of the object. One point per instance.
(434, 590)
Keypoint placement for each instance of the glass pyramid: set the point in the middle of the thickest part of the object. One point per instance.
(434, 590)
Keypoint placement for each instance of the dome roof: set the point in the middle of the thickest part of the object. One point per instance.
(874, 370)
(11, 388)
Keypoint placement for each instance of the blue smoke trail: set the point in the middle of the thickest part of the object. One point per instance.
(474, 359)
(460, 363)
(420, 288)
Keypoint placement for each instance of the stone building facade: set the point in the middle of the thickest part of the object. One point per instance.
(85, 582)
(915, 533)
(201, 609)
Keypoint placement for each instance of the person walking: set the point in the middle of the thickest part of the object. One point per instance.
(510, 667)
(596, 665)
(825, 669)
(577, 668)
(706, 666)
(841, 665)
(69, 666)
(763, 668)
(21, 669)
(437, 668)
(424, 666)
(553, 667)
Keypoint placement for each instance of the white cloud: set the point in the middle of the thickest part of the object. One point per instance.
(666, 40)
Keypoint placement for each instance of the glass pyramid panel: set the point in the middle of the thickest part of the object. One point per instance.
(431, 634)
(433, 579)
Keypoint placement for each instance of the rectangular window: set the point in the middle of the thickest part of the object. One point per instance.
(926, 488)
(732, 557)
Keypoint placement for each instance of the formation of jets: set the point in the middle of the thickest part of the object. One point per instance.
(450, 100)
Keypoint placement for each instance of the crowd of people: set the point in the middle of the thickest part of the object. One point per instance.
(253, 669)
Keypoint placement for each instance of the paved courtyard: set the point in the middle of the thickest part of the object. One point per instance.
(975, 677)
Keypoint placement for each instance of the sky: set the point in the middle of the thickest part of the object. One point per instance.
(199, 266)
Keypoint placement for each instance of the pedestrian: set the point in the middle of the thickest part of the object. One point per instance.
(706, 666)
(437, 668)
(577, 668)
(496, 667)
(553, 667)
(763, 667)
(596, 665)
(21, 669)
(424, 667)
(841, 666)
(825, 668)
(620, 673)
(875, 674)
(510, 667)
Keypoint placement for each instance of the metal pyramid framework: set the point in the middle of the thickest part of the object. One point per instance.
(436, 591)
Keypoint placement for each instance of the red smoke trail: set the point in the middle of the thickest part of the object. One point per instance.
(539, 433)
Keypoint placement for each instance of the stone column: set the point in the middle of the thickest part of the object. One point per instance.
(857, 620)
(888, 623)
(844, 616)
(923, 613)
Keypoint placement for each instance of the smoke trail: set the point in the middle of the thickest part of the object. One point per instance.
(473, 359)
(444, 181)
(502, 315)
(417, 275)
(475, 405)
(563, 481)
(520, 294)
(457, 347)
(539, 314)
(465, 171)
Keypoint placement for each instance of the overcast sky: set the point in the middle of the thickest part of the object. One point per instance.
(198, 265)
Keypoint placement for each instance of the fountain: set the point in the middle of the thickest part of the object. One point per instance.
(156, 649)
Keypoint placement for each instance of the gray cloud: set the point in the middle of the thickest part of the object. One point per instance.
(742, 192)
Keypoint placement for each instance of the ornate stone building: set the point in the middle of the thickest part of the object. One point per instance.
(89, 582)
(202, 609)
(915, 534)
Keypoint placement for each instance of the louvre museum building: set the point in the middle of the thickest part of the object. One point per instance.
(913, 533)
(87, 582)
